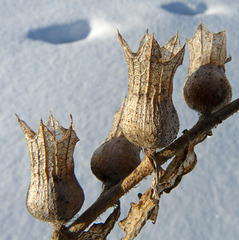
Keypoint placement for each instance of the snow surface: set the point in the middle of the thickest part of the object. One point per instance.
(64, 57)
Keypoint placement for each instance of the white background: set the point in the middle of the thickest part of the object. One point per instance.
(64, 57)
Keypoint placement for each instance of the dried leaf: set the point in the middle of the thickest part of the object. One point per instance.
(182, 164)
(101, 230)
(149, 119)
(190, 161)
(54, 193)
(146, 209)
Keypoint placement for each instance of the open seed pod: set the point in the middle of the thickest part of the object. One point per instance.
(206, 88)
(54, 194)
(150, 119)
(116, 157)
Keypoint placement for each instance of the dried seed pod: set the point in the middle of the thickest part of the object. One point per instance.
(116, 157)
(207, 89)
(54, 194)
(150, 119)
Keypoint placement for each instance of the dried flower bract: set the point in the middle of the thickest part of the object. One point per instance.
(150, 119)
(207, 88)
(54, 194)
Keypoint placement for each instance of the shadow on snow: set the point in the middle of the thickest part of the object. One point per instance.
(183, 9)
(61, 33)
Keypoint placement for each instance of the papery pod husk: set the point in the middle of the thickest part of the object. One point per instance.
(54, 194)
(116, 157)
(150, 119)
(116, 130)
(207, 48)
(206, 88)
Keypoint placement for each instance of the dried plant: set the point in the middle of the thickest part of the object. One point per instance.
(54, 194)
(150, 119)
(208, 55)
(116, 157)
(146, 120)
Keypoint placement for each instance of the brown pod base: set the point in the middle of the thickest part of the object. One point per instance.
(114, 160)
(207, 89)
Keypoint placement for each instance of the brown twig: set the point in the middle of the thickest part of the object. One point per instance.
(107, 199)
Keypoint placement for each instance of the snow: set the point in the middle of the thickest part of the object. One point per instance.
(64, 57)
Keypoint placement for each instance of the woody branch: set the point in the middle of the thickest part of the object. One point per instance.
(107, 199)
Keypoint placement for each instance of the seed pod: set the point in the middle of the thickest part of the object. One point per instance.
(206, 88)
(54, 194)
(116, 157)
(150, 119)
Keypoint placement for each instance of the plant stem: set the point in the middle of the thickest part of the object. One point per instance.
(107, 199)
